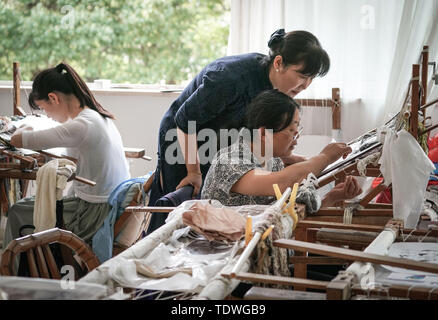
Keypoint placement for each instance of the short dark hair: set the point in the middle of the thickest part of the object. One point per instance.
(63, 78)
(297, 47)
(271, 109)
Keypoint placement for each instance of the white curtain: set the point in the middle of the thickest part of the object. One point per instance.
(371, 43)
(418, 27)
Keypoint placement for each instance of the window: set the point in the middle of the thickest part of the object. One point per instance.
(136, 41)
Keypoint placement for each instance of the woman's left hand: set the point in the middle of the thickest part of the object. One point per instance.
(348, 189)
(194, 179)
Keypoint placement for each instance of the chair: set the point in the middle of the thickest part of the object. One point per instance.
(128, 227)
(39, 249)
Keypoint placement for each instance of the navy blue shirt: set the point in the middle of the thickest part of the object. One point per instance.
(217, 97)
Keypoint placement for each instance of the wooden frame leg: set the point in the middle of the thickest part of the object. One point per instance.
(300, 269)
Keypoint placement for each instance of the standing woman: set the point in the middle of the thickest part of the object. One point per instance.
(89, 134)
(217, 99)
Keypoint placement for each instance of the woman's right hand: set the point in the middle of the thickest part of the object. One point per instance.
(334, 151)
(193, 179)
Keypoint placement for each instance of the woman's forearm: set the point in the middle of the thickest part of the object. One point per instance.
(189, 149)
(17, 140)
(299, 171)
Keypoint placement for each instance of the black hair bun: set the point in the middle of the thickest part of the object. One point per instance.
(276, 38)
(60, 67)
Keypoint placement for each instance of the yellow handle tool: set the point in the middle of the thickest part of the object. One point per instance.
(267, 232)
(291, 208)
(248, 230)
(291, 205)
(278, 193)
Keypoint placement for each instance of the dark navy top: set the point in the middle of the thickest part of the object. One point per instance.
(217, 97)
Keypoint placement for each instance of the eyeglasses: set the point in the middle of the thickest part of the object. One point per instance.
(296, 135)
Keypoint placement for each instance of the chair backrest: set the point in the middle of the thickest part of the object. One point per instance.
(40, 258)
(136, 201)
(172, 199)
(175, 198)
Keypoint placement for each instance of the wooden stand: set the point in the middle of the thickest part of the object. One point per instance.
(344, 286)
(368, 213)
(334, 103)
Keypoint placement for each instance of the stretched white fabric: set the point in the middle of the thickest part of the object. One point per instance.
(51, 181)
(404, 164)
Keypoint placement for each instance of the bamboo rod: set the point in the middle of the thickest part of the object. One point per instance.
(428, 104)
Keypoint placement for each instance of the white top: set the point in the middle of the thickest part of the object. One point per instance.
(96, 143)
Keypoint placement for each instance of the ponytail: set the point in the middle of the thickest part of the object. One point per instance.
(63, 78)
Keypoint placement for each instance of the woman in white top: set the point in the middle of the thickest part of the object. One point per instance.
(89, 135)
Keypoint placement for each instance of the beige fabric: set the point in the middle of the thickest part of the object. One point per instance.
(215, 223)
(150, 273)
(51, 181)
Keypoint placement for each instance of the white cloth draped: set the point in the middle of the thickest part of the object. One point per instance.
(51, 181)
(405, 165)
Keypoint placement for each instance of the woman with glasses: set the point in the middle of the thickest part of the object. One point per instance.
(244, 173)
(217, 98)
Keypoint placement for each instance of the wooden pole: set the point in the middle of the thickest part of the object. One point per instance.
(424, 66)
(354, 255)
(336, 110)
(16, 81)
(415, 100)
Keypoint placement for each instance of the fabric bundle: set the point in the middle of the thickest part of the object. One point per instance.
(51, 181)
(215, 223)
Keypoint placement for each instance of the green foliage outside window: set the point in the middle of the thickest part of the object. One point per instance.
(127, 41)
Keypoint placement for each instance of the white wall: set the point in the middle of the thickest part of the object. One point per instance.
(138, 115)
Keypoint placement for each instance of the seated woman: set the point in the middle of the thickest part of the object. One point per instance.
(245, 172)
(89, 135)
